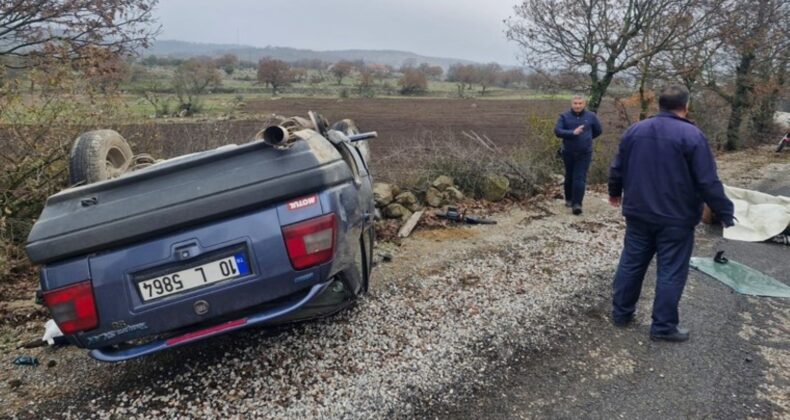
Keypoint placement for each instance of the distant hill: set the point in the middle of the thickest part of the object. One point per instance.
(182, 49)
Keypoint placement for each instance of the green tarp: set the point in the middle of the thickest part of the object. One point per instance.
(741, 278)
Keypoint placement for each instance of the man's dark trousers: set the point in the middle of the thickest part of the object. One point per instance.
(672, 245)
(577, 164)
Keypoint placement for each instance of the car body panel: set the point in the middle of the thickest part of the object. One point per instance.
(271, 292)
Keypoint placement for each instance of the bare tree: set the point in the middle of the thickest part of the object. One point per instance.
(464, 75)
(773, 74)
(601, 37)
(34, 32)
(488, 75)
(275, 73)
(380, 71)
(299, 74)
(413, 82)
(194, 78)
(365, 83)
(512, 77)
(227, 63)
(755, 52)
(108, 73)
(432, 72)
(341, 70)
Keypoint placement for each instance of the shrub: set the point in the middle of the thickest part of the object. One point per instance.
(37, 136)
(420, 160)
(543, 145)
(413, 82)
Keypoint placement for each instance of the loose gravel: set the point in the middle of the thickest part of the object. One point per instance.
(426, 333)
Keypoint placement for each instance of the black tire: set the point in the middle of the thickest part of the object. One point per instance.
(98, 155)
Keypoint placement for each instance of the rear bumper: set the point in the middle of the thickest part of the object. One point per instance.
(286, 311)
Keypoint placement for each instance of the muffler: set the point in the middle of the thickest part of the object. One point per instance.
(282, 131)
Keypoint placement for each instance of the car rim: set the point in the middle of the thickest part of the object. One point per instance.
(115, 163)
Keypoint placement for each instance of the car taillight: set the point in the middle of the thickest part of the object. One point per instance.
(73, 307)
(311, 242)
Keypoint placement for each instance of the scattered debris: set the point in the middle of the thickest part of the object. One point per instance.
(33, 344)
(454, 215)
(739, 277)
(52, 336)
(410, 224)
(52, 333)
(387, 257)
(782, 238)
(15, 383)
(26, 361)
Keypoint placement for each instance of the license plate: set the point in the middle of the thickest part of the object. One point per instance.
(224, 268)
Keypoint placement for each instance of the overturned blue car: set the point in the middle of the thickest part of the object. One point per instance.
(272, 231)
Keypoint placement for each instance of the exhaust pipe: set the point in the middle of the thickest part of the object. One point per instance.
(275, 135)
(282, 132)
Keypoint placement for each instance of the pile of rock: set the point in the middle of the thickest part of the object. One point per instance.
(393, 203)
(396, 204)
(385, 194)
(443, 191)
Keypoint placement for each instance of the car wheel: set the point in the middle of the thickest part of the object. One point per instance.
(98, 155)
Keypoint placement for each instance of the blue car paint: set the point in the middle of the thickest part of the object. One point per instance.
(272, 277)
(124, 316)
(159, 345)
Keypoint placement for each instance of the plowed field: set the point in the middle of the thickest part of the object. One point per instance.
(504, 121)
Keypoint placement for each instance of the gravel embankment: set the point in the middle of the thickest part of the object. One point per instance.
(426, 333)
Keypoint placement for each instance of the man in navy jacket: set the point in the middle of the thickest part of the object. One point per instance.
(577, 128)
(663, 172)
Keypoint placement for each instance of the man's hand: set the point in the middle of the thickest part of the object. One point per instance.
(615, 201)
(726, 225)
(578, 130)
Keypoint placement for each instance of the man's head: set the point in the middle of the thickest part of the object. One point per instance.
(674, 98)
(578, 103)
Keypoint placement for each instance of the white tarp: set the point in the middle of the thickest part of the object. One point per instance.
(760, 216)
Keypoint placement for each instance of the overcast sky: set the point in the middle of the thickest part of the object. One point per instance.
(469, 29)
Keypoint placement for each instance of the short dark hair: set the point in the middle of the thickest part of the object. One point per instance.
(673, 98)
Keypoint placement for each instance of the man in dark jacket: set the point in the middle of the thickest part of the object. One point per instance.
(663, 172)
(577, 128)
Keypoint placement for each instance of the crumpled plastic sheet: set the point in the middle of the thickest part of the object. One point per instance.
(760, 216)
(741, 278)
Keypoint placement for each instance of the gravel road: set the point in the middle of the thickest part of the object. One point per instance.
(736, 365)
(477, 322)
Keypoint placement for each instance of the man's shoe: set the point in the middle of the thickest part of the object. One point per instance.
(680, 335)
(577, 210)
(622, 322)
(568, 203)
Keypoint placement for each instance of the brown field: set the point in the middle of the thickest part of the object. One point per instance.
(504, 121)
(396, 120)
(413, 133)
